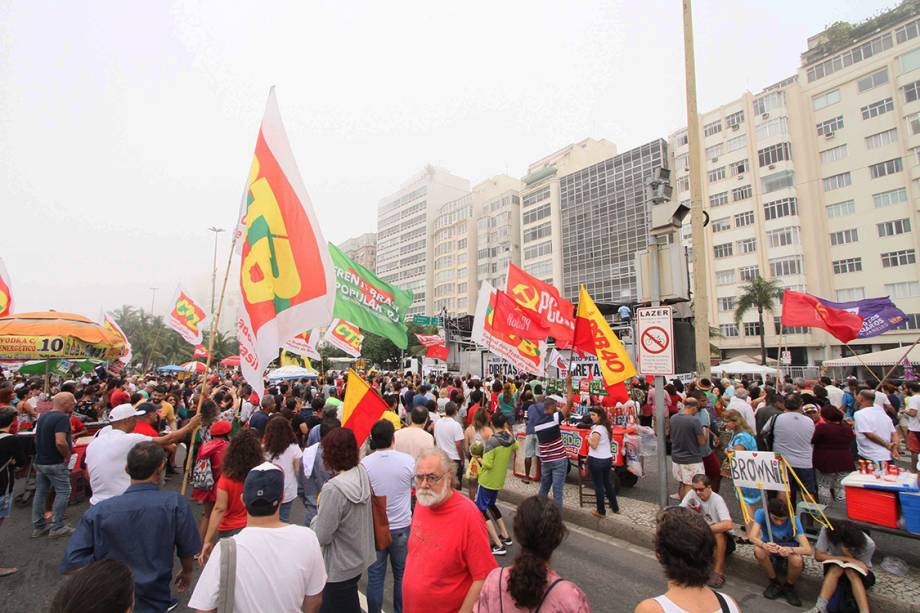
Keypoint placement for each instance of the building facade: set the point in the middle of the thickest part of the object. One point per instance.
(362, 249)
(815, 182)
(497, 207)
(451, 234)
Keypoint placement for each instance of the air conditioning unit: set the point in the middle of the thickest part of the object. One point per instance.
(829, 136)
(736, 126)
(765, 116)
(772, 166)
(714, 160)
(741, 177)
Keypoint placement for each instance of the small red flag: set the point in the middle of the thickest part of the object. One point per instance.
(509, 318)
(438, 352)
(800, 309)
(362, 408)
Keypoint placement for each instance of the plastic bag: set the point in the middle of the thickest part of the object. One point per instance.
(632, 442)
(893, 565)
(648, 445)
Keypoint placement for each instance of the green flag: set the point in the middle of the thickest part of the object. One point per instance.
(367, 302)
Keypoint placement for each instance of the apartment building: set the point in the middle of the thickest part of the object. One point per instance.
(815, 182)
(362, 249)
(404, 221)
(451, 234)
(497, 207)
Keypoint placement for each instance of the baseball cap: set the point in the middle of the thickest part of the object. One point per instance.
(221, 427)
(124, 411)
(555, 398)
(263, 489)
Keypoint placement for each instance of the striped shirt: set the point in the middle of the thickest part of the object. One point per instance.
(549, 438)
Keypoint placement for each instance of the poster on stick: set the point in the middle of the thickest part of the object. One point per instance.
(524, 354)
(761, 470)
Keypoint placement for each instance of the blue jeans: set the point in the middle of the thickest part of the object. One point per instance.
(285, 513)
(553, 474)
(377, 572)
(600, 469)
(48, 476)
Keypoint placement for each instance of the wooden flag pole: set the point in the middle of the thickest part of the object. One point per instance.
(864, 365)
(204, 387)
(898, 363)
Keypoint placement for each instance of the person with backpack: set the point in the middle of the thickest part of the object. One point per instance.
(11, 458)
(207, 471)
(495, 460)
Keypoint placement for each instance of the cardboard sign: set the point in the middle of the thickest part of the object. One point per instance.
(760, 470)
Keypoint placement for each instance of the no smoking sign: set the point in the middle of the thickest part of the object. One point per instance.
(656, 340)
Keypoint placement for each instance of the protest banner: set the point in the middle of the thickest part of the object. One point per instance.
(304, 344)
(760, 470)
(345, 336)
(187, 317)
(524, 354)
(594, 336)
(543, 299)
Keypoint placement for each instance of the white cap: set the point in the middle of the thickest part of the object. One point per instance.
(555, 398)
(124, 411)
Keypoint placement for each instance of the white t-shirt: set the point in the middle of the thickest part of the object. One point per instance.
(743, 407)
(714, 510)
(873, 419)
(275, 569)
(412, 441)
(913, 423)
(246, 411)
(834, 395)
(602, 450)
(285, 461)
(881, 399)
(446, 433)
(106, 458)
(391, 474)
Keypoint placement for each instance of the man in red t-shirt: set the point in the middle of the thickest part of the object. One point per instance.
(449, 552)
(146, 423)
(119, 395)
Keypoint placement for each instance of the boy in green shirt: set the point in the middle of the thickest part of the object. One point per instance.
(495, 460)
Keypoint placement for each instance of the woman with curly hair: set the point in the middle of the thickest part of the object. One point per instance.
(281, 449)
(229, 514)
(684, 545)
(529, 583)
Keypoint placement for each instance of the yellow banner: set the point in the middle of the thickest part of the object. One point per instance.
(616, 366)
(24, 347)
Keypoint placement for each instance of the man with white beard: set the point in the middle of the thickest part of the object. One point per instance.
(449, 551)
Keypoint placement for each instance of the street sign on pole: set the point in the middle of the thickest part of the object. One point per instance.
(655, 340)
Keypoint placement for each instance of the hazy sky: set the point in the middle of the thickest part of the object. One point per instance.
(127, 128)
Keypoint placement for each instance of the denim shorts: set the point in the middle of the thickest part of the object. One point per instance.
(6, 504)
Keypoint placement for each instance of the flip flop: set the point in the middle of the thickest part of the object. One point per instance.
(6, 572)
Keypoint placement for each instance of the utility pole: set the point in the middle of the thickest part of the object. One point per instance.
(216, 231)
(698, 240)
(153, 298)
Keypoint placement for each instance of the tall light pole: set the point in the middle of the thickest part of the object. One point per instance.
(153, 297)
(698, 240)
(216, 231)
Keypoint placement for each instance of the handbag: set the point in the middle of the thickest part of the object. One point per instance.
(382, 536)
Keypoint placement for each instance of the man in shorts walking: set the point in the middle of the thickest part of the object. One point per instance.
(687, 441)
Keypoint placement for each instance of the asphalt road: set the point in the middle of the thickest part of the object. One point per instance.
(614, 574)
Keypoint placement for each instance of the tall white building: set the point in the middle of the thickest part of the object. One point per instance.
(497, 230)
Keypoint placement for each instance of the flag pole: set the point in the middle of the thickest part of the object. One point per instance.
(204, 387)
(896, 364)
(866, 366)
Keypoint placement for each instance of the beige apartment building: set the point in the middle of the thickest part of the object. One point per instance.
(815, 181)
(362, 249)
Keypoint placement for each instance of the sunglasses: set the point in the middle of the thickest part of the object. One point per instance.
(431, 478)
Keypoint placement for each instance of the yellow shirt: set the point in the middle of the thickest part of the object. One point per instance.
(393, 418)
(167, 412)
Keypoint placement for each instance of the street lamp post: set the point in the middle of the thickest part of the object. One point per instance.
(216, 231)
(153, 297)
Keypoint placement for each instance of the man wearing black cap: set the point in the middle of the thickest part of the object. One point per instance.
(266, 548)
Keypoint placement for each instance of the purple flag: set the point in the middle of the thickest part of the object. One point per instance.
(879, 314)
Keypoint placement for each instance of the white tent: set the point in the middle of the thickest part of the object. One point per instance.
(291, 372)
(742, 368)
(888, 357)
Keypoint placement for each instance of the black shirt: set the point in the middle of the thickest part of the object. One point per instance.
(46, 451)
(11, 456)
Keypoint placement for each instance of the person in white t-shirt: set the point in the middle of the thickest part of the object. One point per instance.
(391, 474)
(107, 454)
(876, 436)
(739, 402)
(714, 510)
(912, 411)
(448, 436)
(279, 566)
(281, 449)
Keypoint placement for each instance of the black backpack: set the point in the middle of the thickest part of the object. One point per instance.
(765, 437)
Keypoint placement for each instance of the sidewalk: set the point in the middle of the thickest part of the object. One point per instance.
(636, 524)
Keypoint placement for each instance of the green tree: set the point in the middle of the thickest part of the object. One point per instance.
(758, 294)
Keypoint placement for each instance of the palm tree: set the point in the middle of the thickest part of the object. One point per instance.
(758, 294)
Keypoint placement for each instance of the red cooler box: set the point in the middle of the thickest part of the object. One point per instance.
(873, 506)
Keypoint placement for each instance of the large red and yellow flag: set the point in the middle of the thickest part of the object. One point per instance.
(362, 408)
(593, 335)
(544, 300)
(286, 275)
(6, 294)
(187, 317)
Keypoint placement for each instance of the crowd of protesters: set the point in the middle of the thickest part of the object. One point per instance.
(252, 459)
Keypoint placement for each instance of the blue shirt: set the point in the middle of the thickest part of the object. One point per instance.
(534, 413)
(314, 435)
(782, 534)
(257, 421)
(144, 528)
(49, 424)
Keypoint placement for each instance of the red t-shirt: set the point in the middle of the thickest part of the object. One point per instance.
(235, 517)
(118, 397)
(142, 427)
(448, 550)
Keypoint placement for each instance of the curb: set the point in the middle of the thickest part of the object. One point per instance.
(735, 566)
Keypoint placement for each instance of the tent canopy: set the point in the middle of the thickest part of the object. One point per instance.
(291, 372)
(888, 357)
(742, 368)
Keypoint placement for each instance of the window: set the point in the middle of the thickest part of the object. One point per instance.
(722, 251)
(882, 138)
(850, 57)
(540, 269)
(910, 61)
(739, 168)
(841, 209)
(748, 245)
(712, 128)
(877, 108)
(749, 273)
(778, 180)
(461, 244)
(739, 142)
(680, 162)
(783, 237)
(911, 91)
(893, 228)
(714, 151)
(844, 237)
(905, 289)
(907, 32)
(780, 208)
(752, 328)
(767, 103)
(682, 139)
(899, 258)
(851, 293)
(538, 250)
(538, 232)
(837, 181)
(741, 193)
(744, 219)
(912, 323)
(779, 328)
(834, 154)
(728, 330)
(725, 277)
(873, 80)
(717, 175)
(895, 196)
(848, 265)
(683, 183)
(727, 303)
(774, 127)
(784, 267)
(830, 126)
(735, 119)
(536, 197)
(913, 120)
(541, 212)
(883, 169)
(775, 153)
(718, 199)
(720, 225)
(826, 99)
